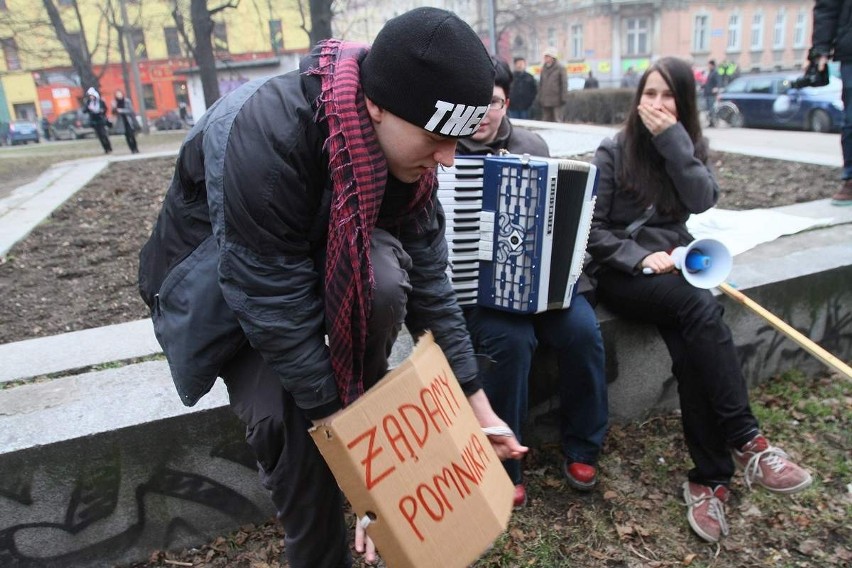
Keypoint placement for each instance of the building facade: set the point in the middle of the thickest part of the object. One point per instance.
(37, 78)
(610, 36)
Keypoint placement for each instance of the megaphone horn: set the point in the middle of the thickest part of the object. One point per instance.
(705, 263)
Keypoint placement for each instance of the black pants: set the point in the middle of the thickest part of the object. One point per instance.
(309, 503)
(100, 129)
(130, 135)
(713, 393)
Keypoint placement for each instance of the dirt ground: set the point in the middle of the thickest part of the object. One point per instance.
(78, 270)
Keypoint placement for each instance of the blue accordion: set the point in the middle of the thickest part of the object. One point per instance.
(517, 229)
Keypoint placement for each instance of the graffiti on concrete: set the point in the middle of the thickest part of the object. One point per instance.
(95, 497)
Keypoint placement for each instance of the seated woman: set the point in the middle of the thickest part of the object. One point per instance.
(653, 175)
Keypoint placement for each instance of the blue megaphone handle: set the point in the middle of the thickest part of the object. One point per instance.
(696, 261)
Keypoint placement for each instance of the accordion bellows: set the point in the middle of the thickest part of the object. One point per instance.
(517, 229)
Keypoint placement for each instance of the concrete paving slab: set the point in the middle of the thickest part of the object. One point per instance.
(84, 405)
(77, 349)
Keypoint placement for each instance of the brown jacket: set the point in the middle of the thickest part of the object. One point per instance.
(553, 86)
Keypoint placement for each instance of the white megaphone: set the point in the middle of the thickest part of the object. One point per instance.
(705, 263)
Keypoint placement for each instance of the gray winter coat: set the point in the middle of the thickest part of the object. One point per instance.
(617, 208)
(236, 252)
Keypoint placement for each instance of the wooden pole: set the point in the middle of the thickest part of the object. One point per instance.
(776, 322)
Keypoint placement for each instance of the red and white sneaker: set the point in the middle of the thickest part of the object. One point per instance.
(706, 510)
(770, 467)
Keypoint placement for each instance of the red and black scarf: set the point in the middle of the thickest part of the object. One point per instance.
(358, 175)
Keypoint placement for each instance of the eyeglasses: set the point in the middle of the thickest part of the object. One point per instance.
(497, 104)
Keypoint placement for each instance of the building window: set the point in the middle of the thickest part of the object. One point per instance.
(734, 32)
(276, 36)
(799, 30)
(150, 100)
(577, 41)
(701, 34)
(137, 37)
(757, 32)
(10, 54)
(220, 37)
(551, 37)
(637, 36)
(778, 30)
(173, 47)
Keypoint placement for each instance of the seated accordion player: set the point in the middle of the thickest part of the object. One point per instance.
(517, 229)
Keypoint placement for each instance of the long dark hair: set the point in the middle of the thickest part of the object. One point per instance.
(642, 168)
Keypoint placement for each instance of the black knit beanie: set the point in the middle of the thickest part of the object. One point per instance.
(429, 67)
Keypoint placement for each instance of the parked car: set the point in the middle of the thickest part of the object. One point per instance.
(71, 125)
(169, 121)
(770, 101)
(19, 132)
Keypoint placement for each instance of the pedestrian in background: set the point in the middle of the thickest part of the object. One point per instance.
(552, 87)
(832, 38)
(591, 82)
(652, 175)
(630, 79)
(524, 90)
(96, 108)
(710, 90)
(122, 108)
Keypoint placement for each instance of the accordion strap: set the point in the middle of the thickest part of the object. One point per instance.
(641, 220)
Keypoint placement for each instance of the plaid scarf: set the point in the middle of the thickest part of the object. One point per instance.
(358, 171)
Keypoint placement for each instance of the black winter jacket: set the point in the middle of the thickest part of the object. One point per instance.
(237, 249)
(832, 33)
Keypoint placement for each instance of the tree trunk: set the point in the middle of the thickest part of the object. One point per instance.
(202, 27)
(320, 20)
(80, 59)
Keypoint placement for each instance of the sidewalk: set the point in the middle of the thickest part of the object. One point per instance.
(31, 204)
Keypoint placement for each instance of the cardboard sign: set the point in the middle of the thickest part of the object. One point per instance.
(411, 455)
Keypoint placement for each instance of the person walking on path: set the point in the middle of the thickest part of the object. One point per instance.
(552, 88)
(652, 175)
(96, 109)
(511, 339)
(304, 207)
(122, 108)
(524, 90)
(710, 89)
(832, 38)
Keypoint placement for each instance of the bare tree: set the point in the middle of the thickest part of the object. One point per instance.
(321, 14)
(201, 49)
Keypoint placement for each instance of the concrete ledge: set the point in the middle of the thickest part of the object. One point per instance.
(78, 349)
(103, 467)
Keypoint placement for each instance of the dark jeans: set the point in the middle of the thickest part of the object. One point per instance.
(511, 339)
(846, 130)
(100, 129)
(305, 493)
(129, 134)
(519, 113)
(713, 393)
(710, 103)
